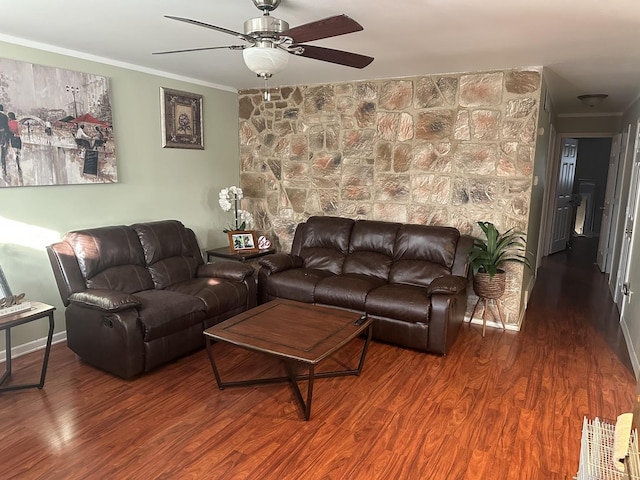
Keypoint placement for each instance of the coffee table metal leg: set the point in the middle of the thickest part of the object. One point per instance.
(209, 344)
(293, 380)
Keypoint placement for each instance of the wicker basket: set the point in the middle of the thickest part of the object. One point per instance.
(488, 287)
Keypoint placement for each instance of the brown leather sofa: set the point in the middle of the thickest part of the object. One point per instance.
(138, 296)
(411, 279)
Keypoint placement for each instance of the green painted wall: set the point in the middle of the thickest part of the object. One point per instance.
(155, 183)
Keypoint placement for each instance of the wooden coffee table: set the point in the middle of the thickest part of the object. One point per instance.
(300, 334)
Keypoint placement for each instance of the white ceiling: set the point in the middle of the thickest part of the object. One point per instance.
(588, 46)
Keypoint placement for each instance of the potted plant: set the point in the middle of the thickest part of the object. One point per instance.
(488, 255)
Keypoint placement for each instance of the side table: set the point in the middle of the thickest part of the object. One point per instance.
(238, 255)
(38, 310)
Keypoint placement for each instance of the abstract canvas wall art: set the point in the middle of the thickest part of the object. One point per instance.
(55, 127)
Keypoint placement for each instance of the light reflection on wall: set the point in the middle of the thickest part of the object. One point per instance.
(23, 234)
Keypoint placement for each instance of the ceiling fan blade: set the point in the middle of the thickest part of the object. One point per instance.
(212, 27)
(328, 27)
(230, 47)
(340, 57)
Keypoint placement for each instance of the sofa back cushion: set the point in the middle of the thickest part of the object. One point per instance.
(371, 248)
(171, 251)
(422, 253)
(323, 242)
(110, 258)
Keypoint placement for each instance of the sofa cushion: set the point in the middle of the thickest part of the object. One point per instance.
(164, 312)
(296, 284)
(218, 295)
(325, 243)
(169, 251)
(371, 248)
(348, 290)
(403, 302)
(423, 253)
(110, 258)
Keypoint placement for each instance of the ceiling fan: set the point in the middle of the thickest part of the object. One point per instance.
(270, 41)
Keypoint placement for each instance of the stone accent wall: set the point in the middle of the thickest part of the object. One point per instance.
(440, 150)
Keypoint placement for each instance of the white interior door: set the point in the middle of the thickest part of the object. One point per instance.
(563, 209)
(604, 245)
(632, 205)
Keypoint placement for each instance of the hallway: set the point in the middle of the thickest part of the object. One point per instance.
(571, 281)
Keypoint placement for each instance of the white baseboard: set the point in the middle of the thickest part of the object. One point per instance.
(33, 346)
(632, 353)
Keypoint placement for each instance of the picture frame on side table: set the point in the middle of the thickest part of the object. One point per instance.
(243, 240)
(181, 116)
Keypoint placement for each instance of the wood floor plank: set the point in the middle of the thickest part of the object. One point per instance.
(506, 406)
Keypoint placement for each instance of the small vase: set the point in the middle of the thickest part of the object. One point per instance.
(490, 287)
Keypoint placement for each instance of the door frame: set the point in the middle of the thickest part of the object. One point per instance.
(552, 178)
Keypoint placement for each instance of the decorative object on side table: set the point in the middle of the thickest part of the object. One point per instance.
(10, 303)
(487, 257)
(244, 240)
(181, 115)
(230, 198)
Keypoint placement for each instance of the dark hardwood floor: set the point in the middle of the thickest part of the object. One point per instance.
(507, 406)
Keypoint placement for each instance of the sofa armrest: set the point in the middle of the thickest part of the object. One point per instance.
(279, 262)
(447, 285)
(105, 300)
(235, 271)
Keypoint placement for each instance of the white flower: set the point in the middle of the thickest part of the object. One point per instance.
(245, 217)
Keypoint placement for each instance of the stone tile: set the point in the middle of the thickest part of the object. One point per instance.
(296, 171)
(358, 143)
(297, 198)
(435, 125)
(282, 128)
(511, 129)
(299, 148)
(355, 192)
(253, 185)
(383, 156)
(476, 159)
(319, 99)
(462, 127)
(428, 215)
(313, 201)
(344, 89)
(245, 108)
(297, 96)
(405, 127)
(365, 114)
(357, 175)
(329, 201)
(259, 123)
(402, 156)
(396, 94)
(366, 91)
(427, 189)
(332, 137)
(485, 124)
(392, 187)
(282, 148)
(276, 167)
(448, 87)
(521, 82)
(316, 138)
(525, 160)
(247, 134)
(325, 170)
(520, 108)
(528, 132)
(346, 106)
(432, 157)
(427, 94)
(506, 167)
(481, 89)
(390, 212)
(387, 125)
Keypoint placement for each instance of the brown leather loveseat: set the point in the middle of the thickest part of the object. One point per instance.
(411, 279)
(138, 296)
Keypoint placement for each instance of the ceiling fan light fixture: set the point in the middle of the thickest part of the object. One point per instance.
(593, 99)
(265, 61)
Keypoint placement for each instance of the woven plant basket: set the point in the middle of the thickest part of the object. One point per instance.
(488, 287)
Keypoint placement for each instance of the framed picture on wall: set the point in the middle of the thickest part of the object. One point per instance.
(243, 240)
(181, 116)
